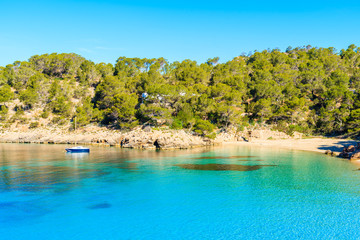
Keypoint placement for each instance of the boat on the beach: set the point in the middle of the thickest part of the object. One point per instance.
(78, 149)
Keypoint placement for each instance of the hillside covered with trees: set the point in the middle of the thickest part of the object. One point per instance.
(310, 90)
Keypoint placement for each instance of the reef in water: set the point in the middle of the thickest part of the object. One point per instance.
(100, 206)
(223, 167)
(224, 157)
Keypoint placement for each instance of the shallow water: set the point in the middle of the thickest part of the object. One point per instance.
(219, 193)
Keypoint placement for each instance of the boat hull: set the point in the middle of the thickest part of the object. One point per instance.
(69, 150)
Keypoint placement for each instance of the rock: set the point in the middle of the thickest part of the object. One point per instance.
(124, 142)
(159, 144)
(141, 138)
(147, 129)
(351, 148)
(344, 154)
(355, 156)
(328, 152)
(333, 154)
(111, 142)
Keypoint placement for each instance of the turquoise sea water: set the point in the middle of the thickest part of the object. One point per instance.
(128, 194)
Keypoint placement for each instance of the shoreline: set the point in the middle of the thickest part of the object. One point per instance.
(316, 144)
(169, 139)
(139, 138)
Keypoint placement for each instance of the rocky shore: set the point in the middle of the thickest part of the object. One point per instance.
(351, 152)
(138, 138)
(165, 138)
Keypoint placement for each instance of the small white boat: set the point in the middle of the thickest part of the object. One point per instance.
(78, 149)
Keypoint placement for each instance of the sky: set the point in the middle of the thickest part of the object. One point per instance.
(103, 31)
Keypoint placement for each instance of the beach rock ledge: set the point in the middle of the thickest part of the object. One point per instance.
(351, 152)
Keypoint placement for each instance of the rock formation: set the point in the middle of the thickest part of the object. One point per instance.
(139, 138)
(147, 138)
(351, 152)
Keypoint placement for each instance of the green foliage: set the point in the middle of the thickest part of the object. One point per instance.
(122, 108)
(62, 106)
(203, 127)
(34, 125)
(44, 114)
(29, 97)
(3, 78)
(3, 112)
(354, 121)
(57, 65)
(59, 120)
(105, 69)
(19, 111)
(85, 113)
(305, 89)
(88, 74)
(211, 135)
(5, 93)
(19, 73)
(154, 113)
(186, 116)
(177, 124)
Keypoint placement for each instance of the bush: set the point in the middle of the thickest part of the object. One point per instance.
(19, 111)
(59, 120)
(285, 127)
(203, 127)
(240, 128)
(176, 124)
(44, 114)
(22, 120)
(34, 125)
(3, 112)
(127, 125)
(211, 135)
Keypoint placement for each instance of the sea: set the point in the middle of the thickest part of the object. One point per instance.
(224, 192)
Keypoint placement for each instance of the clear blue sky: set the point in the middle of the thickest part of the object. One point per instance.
(104, 30)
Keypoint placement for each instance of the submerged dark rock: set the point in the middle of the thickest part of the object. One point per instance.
(127, 165)
(39, 178)
(223, 167)
(7, 204)
(100, 206)
(223, 157)
(331, 153)
(251, 160)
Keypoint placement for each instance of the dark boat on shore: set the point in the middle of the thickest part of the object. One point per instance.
(78, 149)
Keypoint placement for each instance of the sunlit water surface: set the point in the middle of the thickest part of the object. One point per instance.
(228, 192)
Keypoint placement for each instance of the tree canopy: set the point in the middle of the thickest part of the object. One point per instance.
(313, 90)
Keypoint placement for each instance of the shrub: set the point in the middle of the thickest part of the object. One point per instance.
(34, 125)
(3, 112)
(44, 114)
(19, 111)
(211, 135)
(59, 120)
(177, 124)
(203, 127)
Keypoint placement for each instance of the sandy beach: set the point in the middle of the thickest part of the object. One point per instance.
(311, 144)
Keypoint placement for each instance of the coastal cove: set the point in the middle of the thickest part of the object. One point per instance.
(231, 191)
(179, 120)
